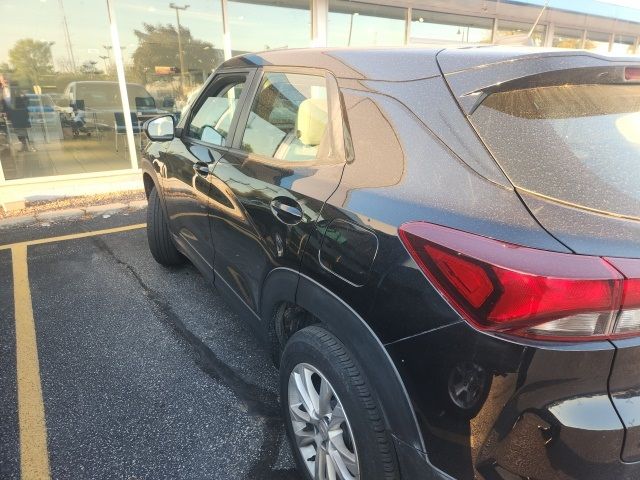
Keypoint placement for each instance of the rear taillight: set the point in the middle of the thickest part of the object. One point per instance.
(629, 318)
(632, 74)
(523, 291)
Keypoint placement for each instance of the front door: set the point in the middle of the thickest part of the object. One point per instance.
(189, 160)
(286, 160)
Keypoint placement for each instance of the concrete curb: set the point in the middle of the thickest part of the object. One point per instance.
(108, 209)
(17, 221)
(72, 213)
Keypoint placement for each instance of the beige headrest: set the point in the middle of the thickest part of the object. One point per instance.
(312, 120)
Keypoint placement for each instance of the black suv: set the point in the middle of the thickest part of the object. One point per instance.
(440, 246)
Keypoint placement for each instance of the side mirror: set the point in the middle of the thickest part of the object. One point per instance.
(160, 129)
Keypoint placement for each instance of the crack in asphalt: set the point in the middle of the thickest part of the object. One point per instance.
(256, 401)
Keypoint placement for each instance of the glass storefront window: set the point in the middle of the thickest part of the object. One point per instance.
(163, 79)
(507, 28)
(260, 25)
(433, 27)
(567, 38)
(623, 45)
(56, 61)
(597, 42)
(351, 24)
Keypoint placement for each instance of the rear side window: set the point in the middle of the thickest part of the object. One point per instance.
(288, 118)
(575, 143)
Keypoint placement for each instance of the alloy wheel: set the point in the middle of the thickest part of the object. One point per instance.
(321, 427)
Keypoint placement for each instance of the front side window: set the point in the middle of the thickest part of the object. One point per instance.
(288, 118)
(212, 120)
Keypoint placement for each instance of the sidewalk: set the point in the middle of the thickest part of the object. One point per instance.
(46, 212)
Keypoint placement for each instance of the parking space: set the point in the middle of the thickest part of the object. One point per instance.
(114, 367)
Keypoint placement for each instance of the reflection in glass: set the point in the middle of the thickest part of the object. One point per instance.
(354, 24)
(567, 38)
(212, 120)
(623, 45)
(597, 42)
(434, 27)
(48, 127)
(288, 118)
(169, 62)
(256, 27)
(508, 28)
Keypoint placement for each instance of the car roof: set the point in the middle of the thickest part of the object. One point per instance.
(400, 63)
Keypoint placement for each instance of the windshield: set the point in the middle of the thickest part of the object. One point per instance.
(97, 95)
(575, 143)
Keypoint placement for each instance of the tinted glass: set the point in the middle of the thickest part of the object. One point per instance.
(576, 143)
(435, 27)
(288, 118)
(355, 23)
(47, 47)
(152, 43)
(508, 28)
(212, 120)
(258, 25)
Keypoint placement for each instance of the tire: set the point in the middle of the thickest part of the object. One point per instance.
(316, 355)
(161, 244)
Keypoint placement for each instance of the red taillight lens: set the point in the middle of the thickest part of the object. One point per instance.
(503, 287)
(632, 74)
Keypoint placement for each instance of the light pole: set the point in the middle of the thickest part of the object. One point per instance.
(177, 8)
(104, 59)
(353, 15)
(51, 44)
(67, 37)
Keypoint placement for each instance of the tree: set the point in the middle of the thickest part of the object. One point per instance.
(158, 46)
(31, 59)
(89, 68)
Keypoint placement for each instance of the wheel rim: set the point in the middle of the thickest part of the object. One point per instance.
(320, 426)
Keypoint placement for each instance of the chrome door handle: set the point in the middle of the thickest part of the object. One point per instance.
(286, 213)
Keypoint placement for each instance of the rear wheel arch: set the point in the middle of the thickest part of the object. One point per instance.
(314, 304)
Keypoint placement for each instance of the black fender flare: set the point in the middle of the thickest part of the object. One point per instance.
(287, 285)
(149, 172)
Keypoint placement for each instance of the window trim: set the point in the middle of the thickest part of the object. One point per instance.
(213, 84)
(335, 120)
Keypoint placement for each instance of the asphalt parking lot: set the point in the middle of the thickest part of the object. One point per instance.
(112, 366)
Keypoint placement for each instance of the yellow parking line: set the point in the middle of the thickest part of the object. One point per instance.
(34, 456)
(73, 236)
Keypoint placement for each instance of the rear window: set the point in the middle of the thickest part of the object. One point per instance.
(575, 143)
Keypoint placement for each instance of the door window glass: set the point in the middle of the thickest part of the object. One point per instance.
(212, 121)
(289, 117)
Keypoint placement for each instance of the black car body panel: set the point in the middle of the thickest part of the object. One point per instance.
(405, 151)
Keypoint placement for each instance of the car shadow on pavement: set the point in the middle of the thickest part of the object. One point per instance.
(254, 400)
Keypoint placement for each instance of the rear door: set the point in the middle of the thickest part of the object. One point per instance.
(189, 159)
(286, 160)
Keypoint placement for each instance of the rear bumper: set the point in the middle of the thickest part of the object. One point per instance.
(540, 410)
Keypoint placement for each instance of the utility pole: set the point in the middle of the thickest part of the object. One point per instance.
(177, 8)
(353, 15)
(67, 37)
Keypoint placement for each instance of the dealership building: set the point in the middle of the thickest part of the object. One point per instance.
(86, 73)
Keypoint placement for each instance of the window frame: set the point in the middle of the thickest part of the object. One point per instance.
(219, 80)
(335, 118)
